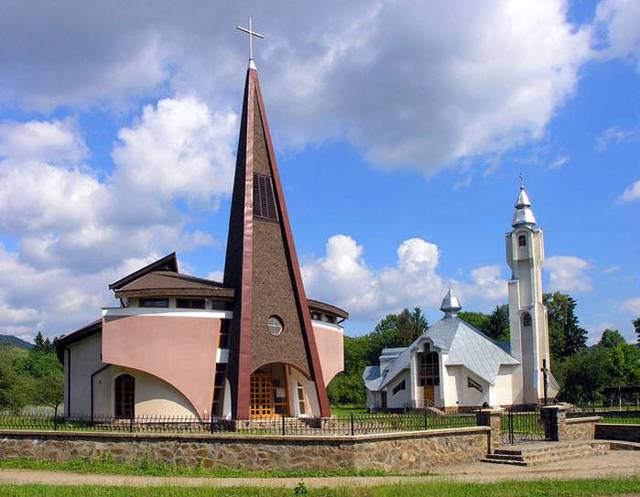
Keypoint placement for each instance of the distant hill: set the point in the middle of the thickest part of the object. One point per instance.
(11, 341)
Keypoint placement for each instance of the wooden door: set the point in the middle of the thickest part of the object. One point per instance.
(429, 395)
(261, 395)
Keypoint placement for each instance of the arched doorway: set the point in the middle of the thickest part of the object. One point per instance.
(269, 392)
(125, 393)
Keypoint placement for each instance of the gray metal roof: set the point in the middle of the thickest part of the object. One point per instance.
(465, 346)
(372, 378)
(523, 213)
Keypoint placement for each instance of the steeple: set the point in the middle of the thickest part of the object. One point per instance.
(523, 214)
(450, 305)
(271, 321)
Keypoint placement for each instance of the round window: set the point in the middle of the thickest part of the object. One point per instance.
(275, 325)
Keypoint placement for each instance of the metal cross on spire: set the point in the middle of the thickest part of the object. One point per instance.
(251, 34)
(521, 180)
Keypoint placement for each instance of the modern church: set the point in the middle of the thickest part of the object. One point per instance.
(254, 346)
(453, 366)
(251, 346)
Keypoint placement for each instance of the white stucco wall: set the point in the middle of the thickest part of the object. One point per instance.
(506, 389)
(81, 360)
(153, 396)
(311, 396)
(403, 397)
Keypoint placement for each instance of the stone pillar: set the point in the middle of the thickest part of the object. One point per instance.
(490, 417)
(554, 419)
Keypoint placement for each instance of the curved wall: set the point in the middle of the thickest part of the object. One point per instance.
(178, 350)
(330, 344)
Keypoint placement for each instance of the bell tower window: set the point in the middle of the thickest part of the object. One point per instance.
(522, 241)
(526, 319)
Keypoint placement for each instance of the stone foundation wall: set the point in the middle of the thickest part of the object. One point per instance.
(580, 428)
(629, 433)
(412, 451)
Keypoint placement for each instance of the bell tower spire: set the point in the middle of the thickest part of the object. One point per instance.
(271, 334)
(527, 312)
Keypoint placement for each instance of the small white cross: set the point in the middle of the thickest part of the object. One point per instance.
(251, 34)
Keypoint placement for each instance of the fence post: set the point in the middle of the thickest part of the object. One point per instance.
(55, 419)
(353, 427)
(426, 420)
(211, 424)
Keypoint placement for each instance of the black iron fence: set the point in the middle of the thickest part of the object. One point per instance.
(521, 426)
(628, 415)
(354, 424)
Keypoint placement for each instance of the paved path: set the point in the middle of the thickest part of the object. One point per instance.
(613, 464)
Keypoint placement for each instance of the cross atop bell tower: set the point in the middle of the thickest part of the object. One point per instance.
(251, 34)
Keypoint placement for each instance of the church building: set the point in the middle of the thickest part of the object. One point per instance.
(453, 366)
(251, 346)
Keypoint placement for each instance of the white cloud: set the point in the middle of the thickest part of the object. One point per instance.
(178, 149)
(559, 162)
(632, 306)
(631, 193)
(568, 274)
(55, 141)
(618, 21)
(614, 135)
(422, 86)
(76, 232)
(343, 277)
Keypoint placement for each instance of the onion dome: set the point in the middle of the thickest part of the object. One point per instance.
(523, 214)
(450, 304)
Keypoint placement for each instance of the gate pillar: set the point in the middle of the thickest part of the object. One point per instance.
(491, 418)
(554, 419)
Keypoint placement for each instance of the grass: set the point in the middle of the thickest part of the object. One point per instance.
(148, 467)
(570, 488)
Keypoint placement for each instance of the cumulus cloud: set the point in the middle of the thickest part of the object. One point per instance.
(618, 21)
(343, 276)
(568, 273)
(631, 193)
(75, 231)
(632, 306)
(457, 79)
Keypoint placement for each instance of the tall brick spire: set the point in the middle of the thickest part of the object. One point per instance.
(262, 266)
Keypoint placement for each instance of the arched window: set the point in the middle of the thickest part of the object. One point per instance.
(526, 319)
(125, 396)
(522, 241)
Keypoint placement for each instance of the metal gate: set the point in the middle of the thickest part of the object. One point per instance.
(516, 427)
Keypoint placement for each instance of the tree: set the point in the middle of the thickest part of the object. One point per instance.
(409, 326)
(583, 376)
(566, 336)
(611, 338)
(42, 344)
(623, 363)
(476, 319)
(497, 326)
(636, 326)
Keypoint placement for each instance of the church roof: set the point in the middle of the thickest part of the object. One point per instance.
(176, 284)
(523, 214)
(465, 346)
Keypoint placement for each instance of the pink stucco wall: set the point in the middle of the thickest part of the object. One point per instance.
(330, 343)
(179, 350)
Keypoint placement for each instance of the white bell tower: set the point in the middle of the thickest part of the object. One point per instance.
(527, 313)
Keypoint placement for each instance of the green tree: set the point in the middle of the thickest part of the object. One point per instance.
(623, 363)
(476, 319)
(497, 326)
(611, 338)
(583, 376)
(42, 344)
(636, 326)
(409, 326)
(566, 336)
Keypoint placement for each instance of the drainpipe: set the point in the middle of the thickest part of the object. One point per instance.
(92, 376)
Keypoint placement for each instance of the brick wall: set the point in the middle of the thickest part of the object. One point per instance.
(580, 428)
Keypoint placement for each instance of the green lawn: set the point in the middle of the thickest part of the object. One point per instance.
(147, 467)
(574, 488)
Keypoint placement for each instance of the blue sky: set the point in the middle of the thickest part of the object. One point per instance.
(400, 135)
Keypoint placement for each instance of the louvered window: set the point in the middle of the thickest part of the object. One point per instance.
(264, 204)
